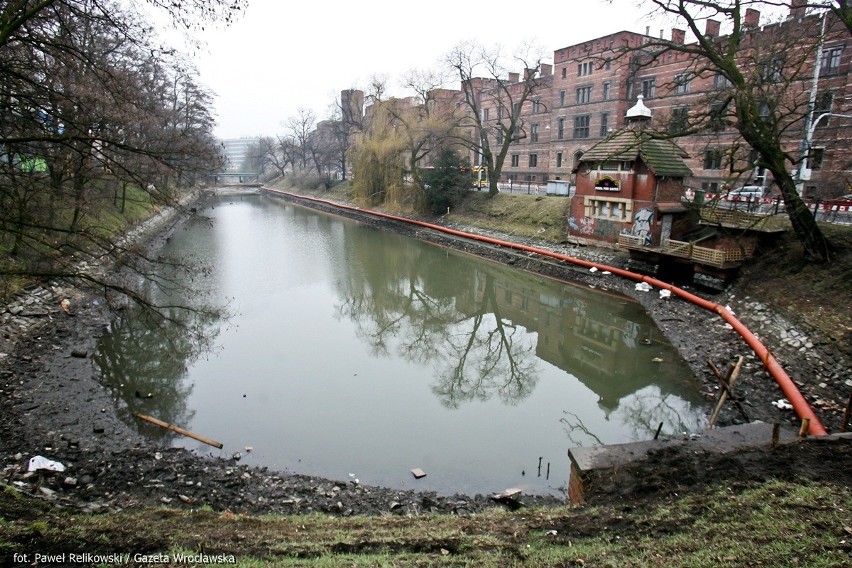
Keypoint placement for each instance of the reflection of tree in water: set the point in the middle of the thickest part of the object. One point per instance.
(643, 411)
(492, 357)
(143, 358)
(647, 408)
(408, 302)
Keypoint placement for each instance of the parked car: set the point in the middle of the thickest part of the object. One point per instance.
(842, 201)
(746, 193)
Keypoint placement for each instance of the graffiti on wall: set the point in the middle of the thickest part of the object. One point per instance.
(642, 224)
(586, 225)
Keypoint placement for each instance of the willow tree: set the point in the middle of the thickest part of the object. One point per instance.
(762, 80)
(378, 165)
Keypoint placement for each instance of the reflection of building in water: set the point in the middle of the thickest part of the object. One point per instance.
(605, 340)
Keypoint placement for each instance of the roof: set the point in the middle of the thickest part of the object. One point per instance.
(663, 157)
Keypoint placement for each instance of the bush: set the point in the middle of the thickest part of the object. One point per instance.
(448, 182)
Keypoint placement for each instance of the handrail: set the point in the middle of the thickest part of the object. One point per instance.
(773, 367)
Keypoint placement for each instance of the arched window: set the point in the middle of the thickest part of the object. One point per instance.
(578, 155)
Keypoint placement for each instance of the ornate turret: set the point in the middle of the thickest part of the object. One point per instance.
(639, 114)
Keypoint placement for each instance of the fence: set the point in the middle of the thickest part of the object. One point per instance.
(702, 255)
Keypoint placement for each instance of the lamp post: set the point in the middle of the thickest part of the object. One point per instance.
(806, 148)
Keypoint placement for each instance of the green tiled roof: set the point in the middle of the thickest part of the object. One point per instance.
(663, 157)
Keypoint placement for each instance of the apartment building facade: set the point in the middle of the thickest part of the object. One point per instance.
(584, 95)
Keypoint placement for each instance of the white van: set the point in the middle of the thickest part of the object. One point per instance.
(746, 192)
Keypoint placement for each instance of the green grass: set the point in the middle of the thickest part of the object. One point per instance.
(541, 217)
(103, 218)
(777, 523)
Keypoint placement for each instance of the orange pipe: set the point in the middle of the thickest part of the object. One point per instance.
(773, 367)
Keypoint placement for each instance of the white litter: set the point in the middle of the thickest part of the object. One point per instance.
(41, 462)
(665, 294)
(643, 287)
(782, 404)
(593, 269)
(606, 272)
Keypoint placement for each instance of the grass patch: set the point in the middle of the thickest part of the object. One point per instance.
(541, 217)
(107, 215)
(777, 523)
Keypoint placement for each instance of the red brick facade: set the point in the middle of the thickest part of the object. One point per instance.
(590, 86)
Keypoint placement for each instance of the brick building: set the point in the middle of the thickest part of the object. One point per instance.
(585, 94)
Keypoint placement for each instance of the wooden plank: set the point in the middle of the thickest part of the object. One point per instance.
(179, 430)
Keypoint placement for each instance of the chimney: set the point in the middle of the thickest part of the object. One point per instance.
(546, 69)
(678, 36)
(798, 8)
(528, 73)
(514, 77)
(712, 29)
(752, 18)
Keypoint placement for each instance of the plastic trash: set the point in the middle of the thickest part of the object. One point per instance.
(41, 462)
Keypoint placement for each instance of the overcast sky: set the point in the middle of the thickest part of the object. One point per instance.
(280, 56)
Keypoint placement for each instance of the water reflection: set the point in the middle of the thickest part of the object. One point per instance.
(486, 328)
(358, 350)
(143, 359)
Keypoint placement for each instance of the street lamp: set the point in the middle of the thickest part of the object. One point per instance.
(806, 148)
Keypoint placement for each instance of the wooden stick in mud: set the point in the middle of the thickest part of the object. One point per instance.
(733, 375)
(179, 430)
(845, 422)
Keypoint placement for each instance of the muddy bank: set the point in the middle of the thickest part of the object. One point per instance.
(51, 403)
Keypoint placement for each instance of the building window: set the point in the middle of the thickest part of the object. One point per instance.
(562, 98)
(605, 91)
(584, 95)
(611, 209)
(534, 133)
(604, 123)
(716, 117)
(560, 128)
(720, 81)
(516, 109)
(815, 158)
(578, 155)
(536, 106)
(830, 61)
(564, 72)
(713, 159)
(584, 69)
(533, 160)
(823, 104)
(682, 84)
(485, 115)
(772, 71)
(558, 159)
(581, 126)
(608, 64)
(649, 88)
(499, 134)
(711, 187)
(516, 160)
(680, 120)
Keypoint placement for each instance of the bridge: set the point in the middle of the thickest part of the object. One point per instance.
(234, 177)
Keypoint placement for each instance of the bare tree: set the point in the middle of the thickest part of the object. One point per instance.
(89, 103)
(762, 82)
(487, 88)
(299, 129)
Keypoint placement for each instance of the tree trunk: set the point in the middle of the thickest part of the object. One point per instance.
(817, 248)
